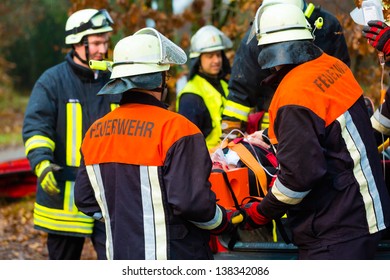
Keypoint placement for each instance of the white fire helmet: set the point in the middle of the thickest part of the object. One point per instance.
(298, 3)
(146, 51)
(281, 23)
(208, 39)
(86, 22)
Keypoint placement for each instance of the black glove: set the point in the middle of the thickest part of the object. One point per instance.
(378, 35)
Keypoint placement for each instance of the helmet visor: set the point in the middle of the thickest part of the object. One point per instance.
(100, 19)
(169, 52)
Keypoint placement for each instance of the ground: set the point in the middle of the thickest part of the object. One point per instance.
(18, 238)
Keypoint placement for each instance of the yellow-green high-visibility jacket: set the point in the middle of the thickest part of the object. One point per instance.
(62, 106)
(214, 101)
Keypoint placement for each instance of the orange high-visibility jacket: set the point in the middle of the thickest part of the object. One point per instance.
(330, 180)
(146, 170)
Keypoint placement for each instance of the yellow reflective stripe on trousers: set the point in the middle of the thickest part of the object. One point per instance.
(61, 220)
(39, 141)
(74, 133)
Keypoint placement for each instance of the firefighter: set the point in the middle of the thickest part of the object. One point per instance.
(378, 36)
(330, 181)
(145, 169)
(62, 106)
(246, 93)
(204, 96)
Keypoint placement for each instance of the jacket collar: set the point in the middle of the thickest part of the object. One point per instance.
(132, 96)
(85, 74)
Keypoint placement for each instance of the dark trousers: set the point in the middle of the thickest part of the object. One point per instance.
(63, 247)
(363, 248)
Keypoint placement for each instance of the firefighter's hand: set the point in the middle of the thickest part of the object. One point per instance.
(44, 171)
(235, 217)
(227, 225)
(228, 125)
(378, 35)
(257, 139)
(253, 219)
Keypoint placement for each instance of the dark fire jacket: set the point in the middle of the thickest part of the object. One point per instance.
(245, 89)
(62, 106)
(330, 180)
(146, 171)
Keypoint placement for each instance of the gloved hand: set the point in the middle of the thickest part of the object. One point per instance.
(228, 125)
(227, 225)
(378, 35)
(44, 171)
(252, 218)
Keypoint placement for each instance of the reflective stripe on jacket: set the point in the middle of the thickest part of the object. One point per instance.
(330, 179)
(381, 118)
(146, 170)
(63, 104)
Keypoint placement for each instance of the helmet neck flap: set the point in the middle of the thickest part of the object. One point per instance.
(287, 53)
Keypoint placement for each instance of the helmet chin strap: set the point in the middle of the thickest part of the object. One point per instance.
(79, 58)
(86, 47)
(164, 93)
(164, 86)
(163, 89)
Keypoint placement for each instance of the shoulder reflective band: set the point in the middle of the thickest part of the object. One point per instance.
(74, 132)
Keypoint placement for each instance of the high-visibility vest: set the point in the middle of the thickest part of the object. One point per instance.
(214, 102)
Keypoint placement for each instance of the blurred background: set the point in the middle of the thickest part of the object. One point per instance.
(32, 40)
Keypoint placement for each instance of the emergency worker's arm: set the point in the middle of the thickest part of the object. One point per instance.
(40, 122)
(381, 119)
(186, 172)
(245, 91)
(378, 35)
(193, 108)
(84, 194)
(301, 159)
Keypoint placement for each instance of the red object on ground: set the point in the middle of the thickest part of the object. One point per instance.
(17, 179)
